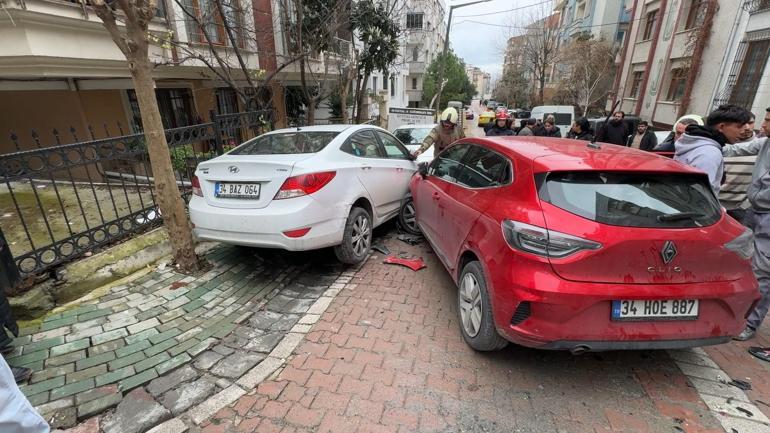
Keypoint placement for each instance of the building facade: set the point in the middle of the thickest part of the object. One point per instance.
(675, 57)
(481, 80)
(422, 40)
(59, 68)
(744, 75)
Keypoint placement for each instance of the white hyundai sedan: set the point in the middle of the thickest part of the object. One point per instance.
(303, 189)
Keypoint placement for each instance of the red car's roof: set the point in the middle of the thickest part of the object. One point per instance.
(549, 154)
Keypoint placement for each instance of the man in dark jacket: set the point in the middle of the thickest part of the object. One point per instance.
(644, 139)
(615, 131)
(528, 129)
(9, 276)
(581, 130)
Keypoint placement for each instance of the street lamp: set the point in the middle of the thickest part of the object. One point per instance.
(441, 70)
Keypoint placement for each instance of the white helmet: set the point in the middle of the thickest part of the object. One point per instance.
(449, 115)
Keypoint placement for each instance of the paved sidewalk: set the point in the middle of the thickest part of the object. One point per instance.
(387, 356)
(163, 343)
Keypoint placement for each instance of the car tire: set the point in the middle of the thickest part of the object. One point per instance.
(474, 311)
(357, 238)
(406, 217)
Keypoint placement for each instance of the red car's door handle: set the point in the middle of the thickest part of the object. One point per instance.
(436, 196)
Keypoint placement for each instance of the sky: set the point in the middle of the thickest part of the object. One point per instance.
(480, 39)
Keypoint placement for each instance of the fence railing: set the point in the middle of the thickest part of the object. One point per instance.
(60, 201)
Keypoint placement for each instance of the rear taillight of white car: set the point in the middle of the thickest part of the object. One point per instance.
(743, 245)
(305, 184)
(544, 242)
(196, 186)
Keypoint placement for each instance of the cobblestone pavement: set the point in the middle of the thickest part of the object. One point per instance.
(387, 356)
(166, 342)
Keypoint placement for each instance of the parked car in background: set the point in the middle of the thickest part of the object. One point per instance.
(468, 114)
(557, 245)
(302, 189)
(412, 137)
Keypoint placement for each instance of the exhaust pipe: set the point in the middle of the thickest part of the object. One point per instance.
(579, 350)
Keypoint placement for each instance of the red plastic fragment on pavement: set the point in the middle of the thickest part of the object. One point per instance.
(413, 264)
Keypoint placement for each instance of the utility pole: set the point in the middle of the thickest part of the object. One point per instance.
(442, 69)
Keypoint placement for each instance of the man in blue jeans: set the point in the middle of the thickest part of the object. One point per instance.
(758, 219)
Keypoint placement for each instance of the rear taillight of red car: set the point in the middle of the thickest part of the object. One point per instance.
(305, 184)
(544, 242)
(196, 187)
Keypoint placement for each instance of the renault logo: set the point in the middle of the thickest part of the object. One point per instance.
(234, 169)
(668, 252)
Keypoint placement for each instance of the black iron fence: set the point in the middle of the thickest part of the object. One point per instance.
(60, 201)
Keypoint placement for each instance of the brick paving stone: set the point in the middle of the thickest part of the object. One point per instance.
(94, 314)
(137, 380)
(53, 324)
(165, 335)
(99, 405)
(39, 398)
(87, 373)
(52, 372)
(45, 385)
(127, 360)
(28, 359)
(143, 326)
(85, 333)
(143, 335)
(72, 388)
(41, 345)
(108, 336)
(115, 376)
(59, 332)
(172, 363)
(95, 360)
(70, 347)
(95, 393)
(151, 362)
(65, 359)
(133, 348)
(109, 346)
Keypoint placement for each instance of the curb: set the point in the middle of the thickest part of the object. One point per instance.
(270, 366)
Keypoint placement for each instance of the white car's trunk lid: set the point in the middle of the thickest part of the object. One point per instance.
(268, 171)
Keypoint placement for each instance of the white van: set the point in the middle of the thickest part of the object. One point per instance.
(564, 115)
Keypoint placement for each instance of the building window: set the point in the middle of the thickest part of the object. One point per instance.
(649, 25)
(414, 20)
(374, 85)
(677, 85)
(697, 14)
(392, 86)
(414, 104)
(636, 83)
(227, 101)
(212, 22)
(583, 9)
(756, 5)
(751, 73)
(415, 53)
(414, 83)
(175, 105)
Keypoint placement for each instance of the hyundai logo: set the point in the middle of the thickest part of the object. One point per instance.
(668, 252)
(234, 169)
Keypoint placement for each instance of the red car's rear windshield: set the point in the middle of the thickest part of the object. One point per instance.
(654, 200)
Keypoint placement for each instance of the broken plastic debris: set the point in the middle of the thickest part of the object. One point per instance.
(741, 384)
(409, 239)
(381, 248)
(413, 264)
(762, 353)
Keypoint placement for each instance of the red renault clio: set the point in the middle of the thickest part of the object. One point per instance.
(560, 244)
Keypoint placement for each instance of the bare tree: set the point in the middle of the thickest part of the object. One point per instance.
(131, 37)
(590, 69)
(540, 47)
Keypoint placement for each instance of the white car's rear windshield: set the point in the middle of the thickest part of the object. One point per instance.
(286, 143)
(633, 199)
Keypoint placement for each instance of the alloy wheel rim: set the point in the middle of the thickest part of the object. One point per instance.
(362, 235)
(409, 216)
(470, 305)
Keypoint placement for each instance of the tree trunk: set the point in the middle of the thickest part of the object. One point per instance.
(361, 98)
(344, 91)
(171, 205)
(310, 115)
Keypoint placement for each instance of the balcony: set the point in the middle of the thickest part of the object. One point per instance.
(416, 67)
(414, 95)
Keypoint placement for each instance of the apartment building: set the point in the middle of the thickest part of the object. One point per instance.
(59, 68)
(671, 63)
(424, 30)
(480, 79)
(744, 74)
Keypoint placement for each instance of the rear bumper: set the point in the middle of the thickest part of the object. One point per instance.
(564, 314)
(265, 227)
(600, 346)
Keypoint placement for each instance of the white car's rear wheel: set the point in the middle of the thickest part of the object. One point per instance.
(357, 239)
